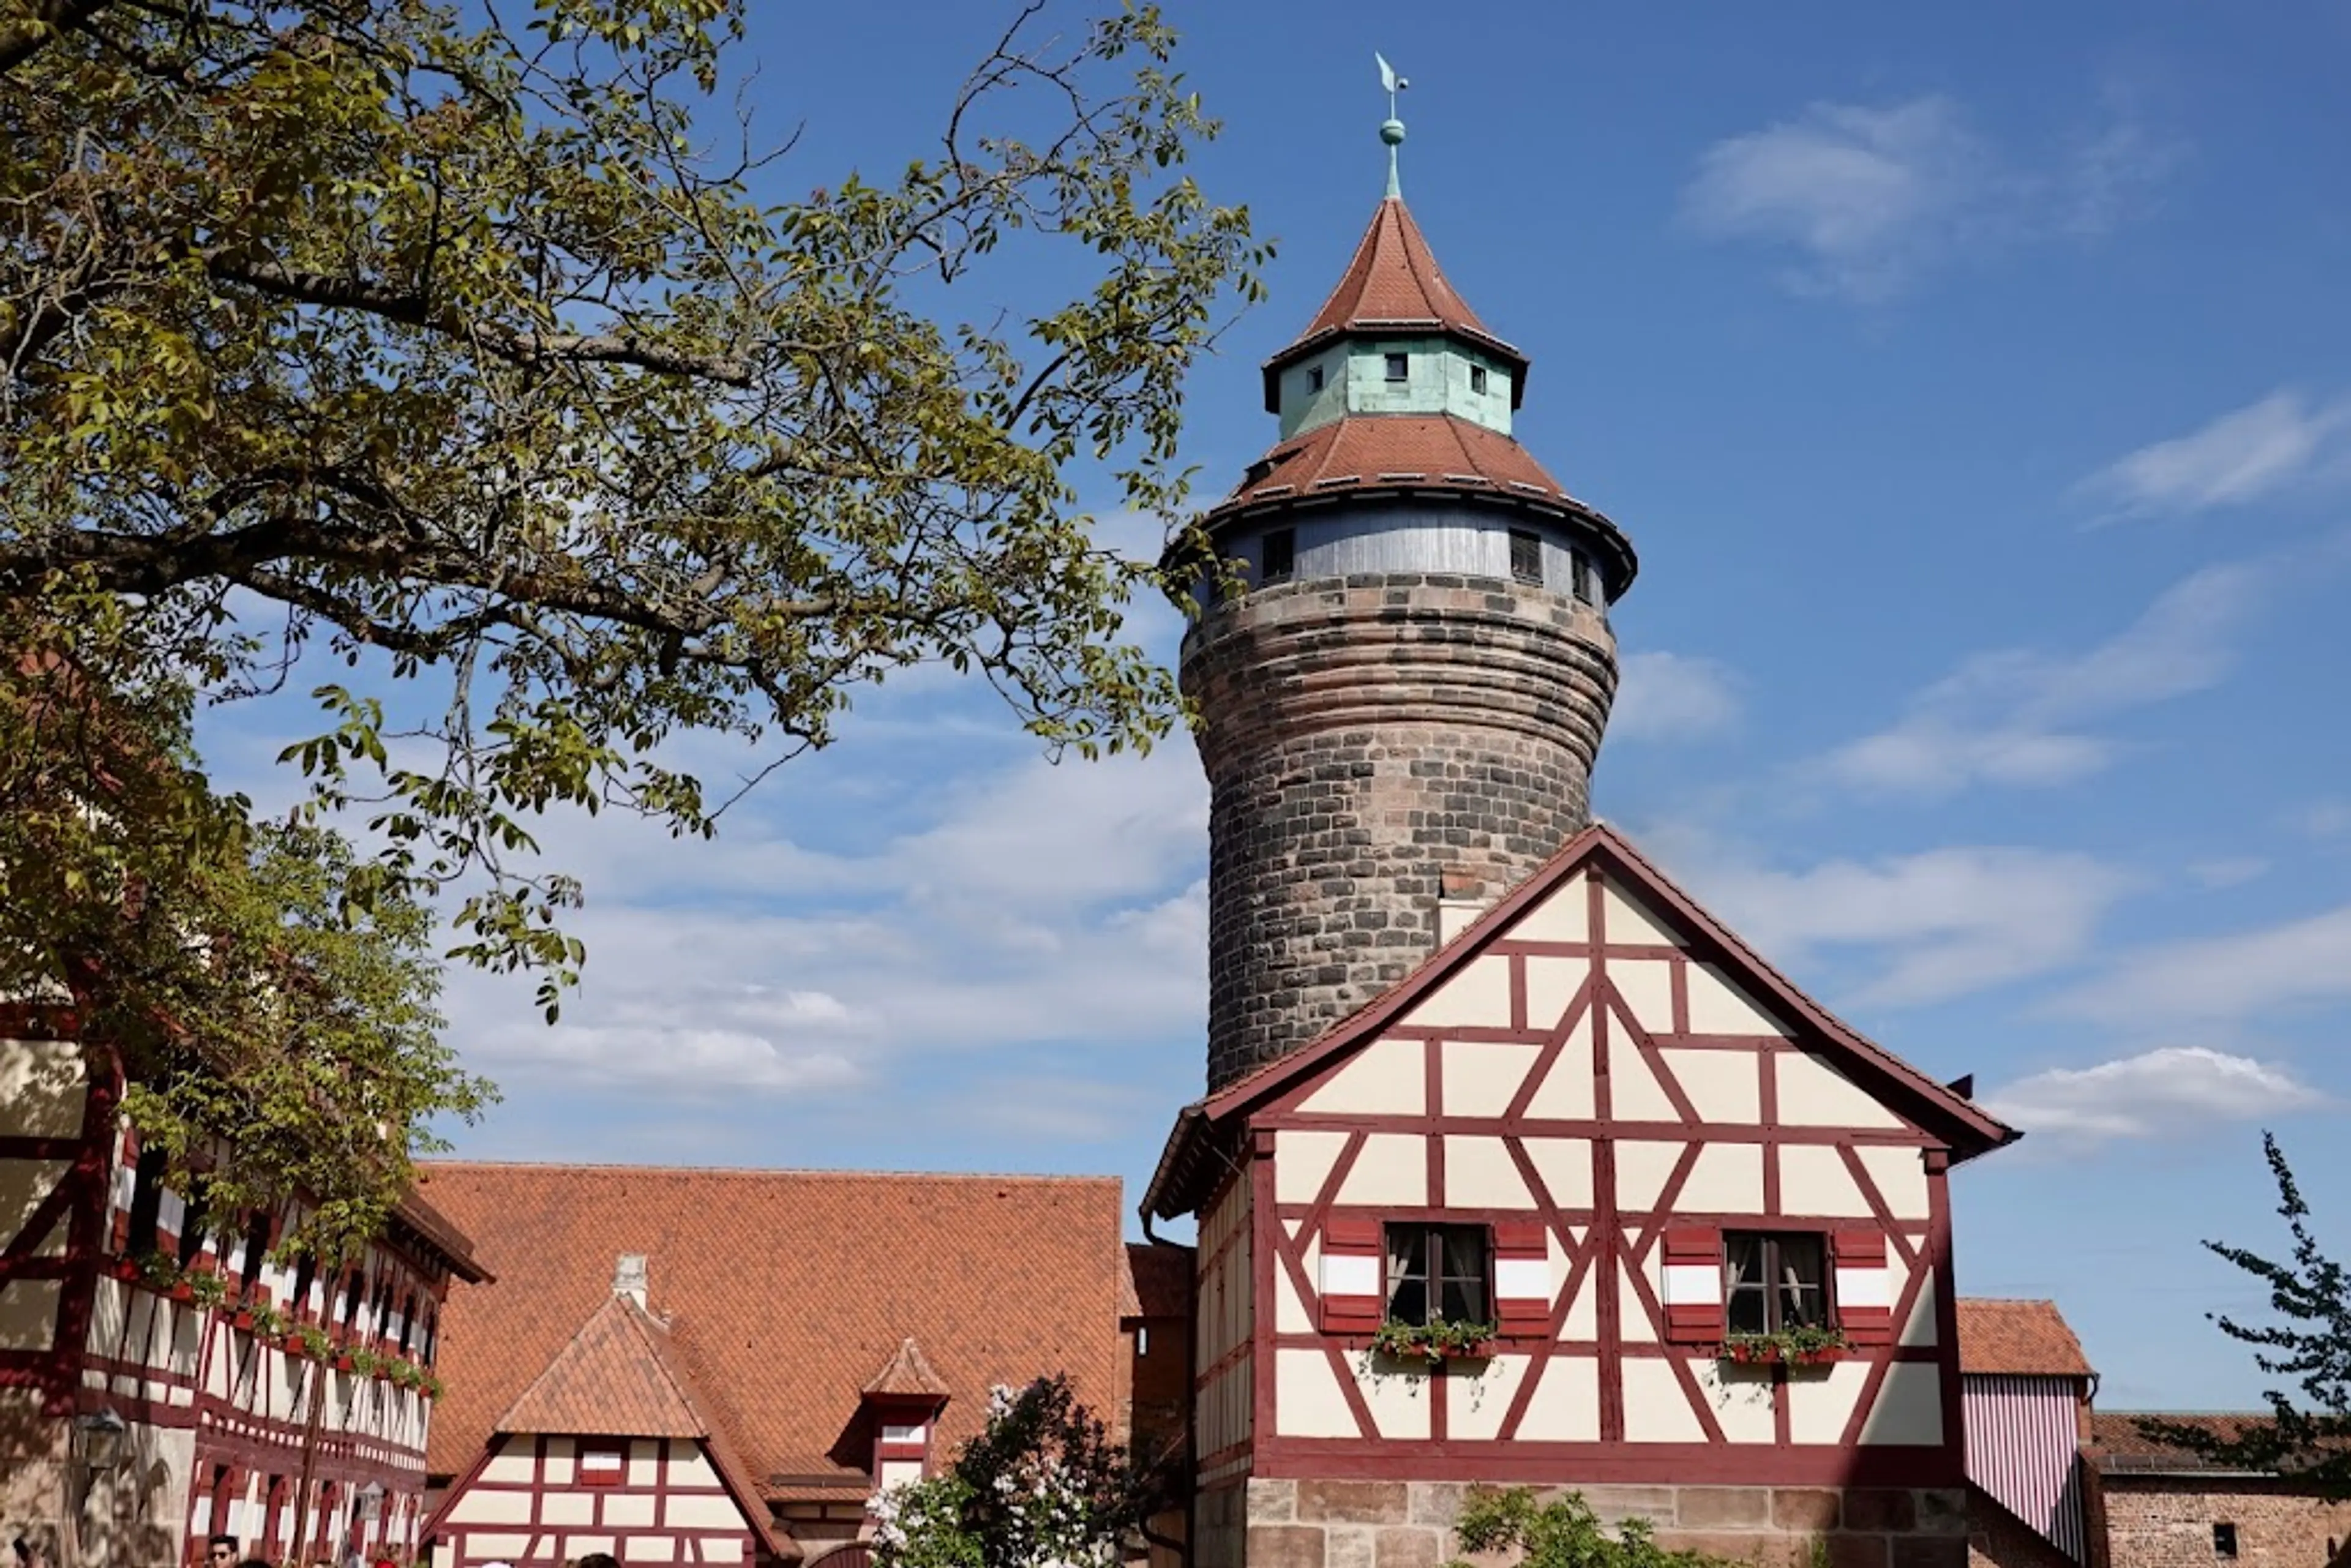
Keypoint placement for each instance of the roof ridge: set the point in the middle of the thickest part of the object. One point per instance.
(623, 1167)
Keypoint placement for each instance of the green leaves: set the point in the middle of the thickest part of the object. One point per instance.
(2307, 1434)
(1562, 1533)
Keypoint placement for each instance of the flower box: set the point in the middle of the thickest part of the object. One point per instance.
(1782, 1350)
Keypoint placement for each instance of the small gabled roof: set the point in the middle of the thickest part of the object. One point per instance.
(610, 1381)
(1394, 285)
(619, 1376)
(906, 1375)
(1934, 1106)
(2000, 1337)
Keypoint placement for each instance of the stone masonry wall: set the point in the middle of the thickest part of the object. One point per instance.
(1365, 740)
(2166, 1523)
(1409, 1524)
(1998, 1539)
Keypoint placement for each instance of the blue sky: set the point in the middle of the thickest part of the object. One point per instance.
(1975, 388)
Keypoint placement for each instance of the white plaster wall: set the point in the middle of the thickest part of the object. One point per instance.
(1740, 1397)
(1723, 1086)
(1307, 1399)
(1391, 1170)
(1475, 1406)
(1814, 1095)
(1564, 916)
(1655, 1408)
(1480, 1173)
(1565, 1166)
(1481, 1080)
(1820, 1402)
(1565, 1405)
(1385, 1078)
(1813, 1181)
(1628, 921)
(1478, 996)
(1909, 1407)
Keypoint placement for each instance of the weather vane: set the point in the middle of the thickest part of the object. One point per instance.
(1392, 131)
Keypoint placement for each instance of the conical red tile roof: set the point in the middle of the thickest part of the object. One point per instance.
(610, 1380)
(1394, 282)
(907, 1374)
(1394, 279)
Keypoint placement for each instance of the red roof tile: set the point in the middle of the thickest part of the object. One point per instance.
(2026, 1339)
(782, 1292)
(2118, 1444)
(609, 1380)
(906, 1372)
(1393, 280)
(1430, 451)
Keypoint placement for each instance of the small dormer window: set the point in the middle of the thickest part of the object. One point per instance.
(1477, 380)
(1314, 377)
(1399, 367)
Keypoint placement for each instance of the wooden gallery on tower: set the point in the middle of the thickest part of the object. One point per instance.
(1516, 1166)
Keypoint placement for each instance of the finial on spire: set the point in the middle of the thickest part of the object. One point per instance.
(1392, 129)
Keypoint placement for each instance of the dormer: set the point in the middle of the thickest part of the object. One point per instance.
(903, 1402)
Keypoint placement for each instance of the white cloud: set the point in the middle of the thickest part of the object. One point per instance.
(2223, 979)
(2021, 717)
(2166, 1092)
(1048, 905)
(1872, 196)
(1939, 923)
(2241, 456)
(1667, 696)
(2229, 870)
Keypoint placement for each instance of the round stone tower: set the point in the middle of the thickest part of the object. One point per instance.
(1405, 665)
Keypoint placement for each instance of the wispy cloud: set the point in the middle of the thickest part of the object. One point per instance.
(2172, 1092)
(2021, 717)
(1667, 696)
(2245, 455)
(1870, 197)
(2222, 980)
(1931, 925)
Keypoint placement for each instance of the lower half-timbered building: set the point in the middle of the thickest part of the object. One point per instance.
(726, 1366)
(1592, 1198)
(166, 1374)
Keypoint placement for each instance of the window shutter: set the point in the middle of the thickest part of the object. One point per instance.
(1523, 1293)
(1693, 1275)
(1353, 1275)
(1864, 1293)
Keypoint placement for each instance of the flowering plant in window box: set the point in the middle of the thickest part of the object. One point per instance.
(1443, 1340)
(265, 1321)
(206, 1289)
(1803, 1345)
(308, 1339)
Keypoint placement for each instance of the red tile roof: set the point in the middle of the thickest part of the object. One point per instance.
(609, 1380)
(617, 1378)
(2118, 1444)
(906, 1372)
(1394, 282)
(782, 1292)
(2026, 1339)
(1363, 450)
(1394, 279)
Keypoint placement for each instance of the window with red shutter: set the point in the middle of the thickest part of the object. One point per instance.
(1865, 1287)
(1693, 1282)
(1523, 1284)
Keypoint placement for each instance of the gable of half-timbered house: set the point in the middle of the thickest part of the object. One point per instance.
(1596, 1122)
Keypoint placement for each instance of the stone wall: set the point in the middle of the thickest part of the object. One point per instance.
(1998, 1539)
(1366, 740)
(1409, 1524)
(2166, 1523)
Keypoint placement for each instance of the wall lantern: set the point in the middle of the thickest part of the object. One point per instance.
(98, 1439)
(370, 1500)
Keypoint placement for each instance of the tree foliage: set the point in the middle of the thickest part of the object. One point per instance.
(278, 1038)
(1043, 1486)
(1562, 1532)
(2308, 1434)
(407, 330)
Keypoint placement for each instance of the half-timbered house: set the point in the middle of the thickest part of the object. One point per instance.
(726, 1366)
(164, 1375)
(1696, 1233)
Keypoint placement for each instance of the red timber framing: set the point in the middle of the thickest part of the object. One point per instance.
(1590, 1237)
(227, 1405)
(525, 1503)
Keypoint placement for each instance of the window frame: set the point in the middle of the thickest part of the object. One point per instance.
(1531, 574)
(1477, 380)
(1313, 379)
(2225, 1542)
(1823, 1283)
(1435, 1278)
(617, 1449)
(1267, 571)
(1396, 369)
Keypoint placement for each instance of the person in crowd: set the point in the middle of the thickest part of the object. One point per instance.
(599, 1560)
(220, 1552)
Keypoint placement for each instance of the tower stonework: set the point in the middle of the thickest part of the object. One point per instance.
(1404, 669)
